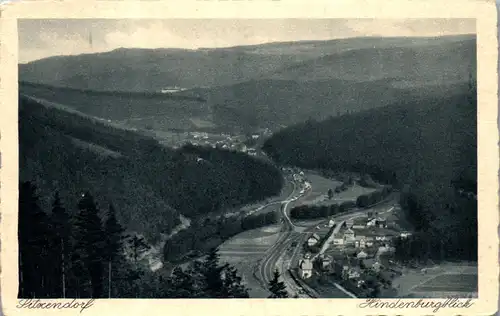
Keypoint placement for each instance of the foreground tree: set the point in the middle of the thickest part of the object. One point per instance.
(89, 246)
(33, 248)
(330, 194)
(112, 242)
(61, 232)
(212, 274)
(233, 286)
(277, 287)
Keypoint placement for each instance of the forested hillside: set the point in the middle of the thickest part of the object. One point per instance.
(87, 254)
(150, 185)
(424, 145)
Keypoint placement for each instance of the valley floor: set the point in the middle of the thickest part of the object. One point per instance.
(245, 251)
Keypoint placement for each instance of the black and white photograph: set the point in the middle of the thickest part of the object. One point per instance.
(247, 158)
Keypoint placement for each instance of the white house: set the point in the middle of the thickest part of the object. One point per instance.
(354, 273)
(376, 266)
(368, 241)
(313, 240)
(331, 223)
(404, 234)
(349, 236)
(305, 268)
(382, 223)
(338, 240)
(371, 223)
(349, 223)
(325, 261)
(362, 242)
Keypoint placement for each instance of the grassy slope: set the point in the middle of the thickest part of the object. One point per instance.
(170, 111)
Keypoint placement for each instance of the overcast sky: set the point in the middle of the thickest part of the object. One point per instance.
(44, 38)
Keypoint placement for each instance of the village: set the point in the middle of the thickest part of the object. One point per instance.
(245, 143)
(355, 254)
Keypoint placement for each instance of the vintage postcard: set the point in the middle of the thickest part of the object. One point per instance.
(249, 158)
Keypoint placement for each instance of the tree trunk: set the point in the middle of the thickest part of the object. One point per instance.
(63, 264)
(21, 281)
(109, 278)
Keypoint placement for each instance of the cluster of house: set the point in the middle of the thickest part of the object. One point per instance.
(350, 267)
(363, 232)
(299, 177)
(222, 141)
(354, 269)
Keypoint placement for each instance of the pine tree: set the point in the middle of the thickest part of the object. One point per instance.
(137, 246)
(233, 287)
(113, 242)
(61, 231)
(330, 194)
(33, 248)
(181, 285)
(277, 288)
(212, 273)
(90, 242)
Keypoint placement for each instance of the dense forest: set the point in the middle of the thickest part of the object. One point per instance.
(84, 256)
(426, 147)
(306, 211)
(320, 211)
(149, 184)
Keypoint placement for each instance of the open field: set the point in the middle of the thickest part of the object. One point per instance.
(320, 186)
(352, 193)
(245, 250)
(327, 289)
(450, 283)
(457, 279)
(200, 123)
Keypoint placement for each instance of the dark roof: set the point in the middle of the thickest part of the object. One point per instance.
(316, 236)
(369, 262)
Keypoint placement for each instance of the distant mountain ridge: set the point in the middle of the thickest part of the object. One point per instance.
(152, 69)
(269, 85)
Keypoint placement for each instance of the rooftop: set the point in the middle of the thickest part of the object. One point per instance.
(305, 264)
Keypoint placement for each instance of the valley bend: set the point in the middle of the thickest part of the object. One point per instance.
(292, 158)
